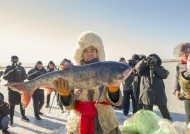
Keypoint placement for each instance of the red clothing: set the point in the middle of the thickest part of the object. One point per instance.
(88, 113)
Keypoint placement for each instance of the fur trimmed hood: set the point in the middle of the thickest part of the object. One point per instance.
(181, 49)
(85, 40)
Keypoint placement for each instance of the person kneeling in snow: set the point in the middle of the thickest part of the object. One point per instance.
(4, 112)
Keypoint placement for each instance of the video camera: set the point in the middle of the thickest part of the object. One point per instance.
(16, 64)
(150, 61)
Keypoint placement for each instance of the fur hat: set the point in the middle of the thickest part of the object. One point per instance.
(181, 49)
(85, 40)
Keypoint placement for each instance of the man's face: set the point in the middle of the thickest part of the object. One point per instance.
(89, 53)
(39, 66)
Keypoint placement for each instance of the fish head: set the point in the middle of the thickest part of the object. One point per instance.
(113, 73)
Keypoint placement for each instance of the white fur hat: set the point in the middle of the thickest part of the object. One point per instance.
(85, 40)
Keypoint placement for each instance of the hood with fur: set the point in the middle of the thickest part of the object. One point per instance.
(85, 40)
(181, 49)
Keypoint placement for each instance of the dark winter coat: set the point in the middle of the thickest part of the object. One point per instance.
(4, 107)
(14, 74)
(150, 95)
(35, 72)
(127, 84)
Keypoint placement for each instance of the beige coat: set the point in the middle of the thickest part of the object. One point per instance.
(106, 118)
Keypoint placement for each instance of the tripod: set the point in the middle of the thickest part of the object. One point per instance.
(151, 75)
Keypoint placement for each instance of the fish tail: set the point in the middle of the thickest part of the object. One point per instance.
(22, 89)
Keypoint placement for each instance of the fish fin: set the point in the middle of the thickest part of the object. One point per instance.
(25, 98)
(21, 88)
(48, 90)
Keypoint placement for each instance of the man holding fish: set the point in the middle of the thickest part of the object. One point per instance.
(91, 112)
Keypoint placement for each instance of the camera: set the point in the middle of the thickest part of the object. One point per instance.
(150, 61)
(132, 63)
(16, 64)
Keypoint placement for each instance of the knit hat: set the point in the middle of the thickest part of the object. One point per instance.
(14, 58)
(86, 40)
(142, 56)
(65, 61)
(135, 57)
(38, 62)
(121, 59)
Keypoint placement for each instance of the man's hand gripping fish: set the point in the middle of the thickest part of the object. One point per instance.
(90, 76)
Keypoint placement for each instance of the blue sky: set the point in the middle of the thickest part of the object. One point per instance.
(47, 30)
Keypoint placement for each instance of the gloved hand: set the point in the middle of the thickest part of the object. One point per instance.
(113, 89)
(62, 87)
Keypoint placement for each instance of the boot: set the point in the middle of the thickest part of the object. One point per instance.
(24, 118)
(40, 113)
(5, 131)
(11, 120)
(37, 117)
(47, 106)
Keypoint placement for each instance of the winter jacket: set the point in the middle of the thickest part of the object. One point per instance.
(127, 84)
(150, 95)
(4, 107)
(179, 68)
(14, 74)
(35, 72)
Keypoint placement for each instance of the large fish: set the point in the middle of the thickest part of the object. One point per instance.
(83, 77)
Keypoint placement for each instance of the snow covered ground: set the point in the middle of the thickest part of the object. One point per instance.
(54, 122)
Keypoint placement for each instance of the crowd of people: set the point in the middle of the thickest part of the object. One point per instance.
(16, 73)
(145, 85)
(92, 111)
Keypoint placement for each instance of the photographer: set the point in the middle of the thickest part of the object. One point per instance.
(4, 112)
(152, 89)
(15, 73)
(136, 82)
